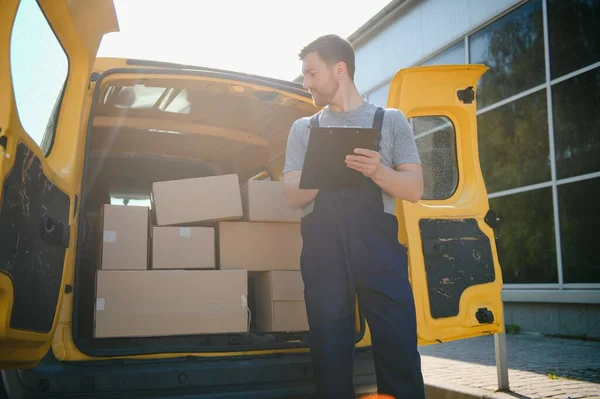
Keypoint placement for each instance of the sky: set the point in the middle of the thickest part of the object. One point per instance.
(254, 36)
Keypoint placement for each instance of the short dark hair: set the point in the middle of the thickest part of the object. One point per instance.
(332, 49)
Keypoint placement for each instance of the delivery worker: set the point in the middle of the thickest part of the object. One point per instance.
(351, 235)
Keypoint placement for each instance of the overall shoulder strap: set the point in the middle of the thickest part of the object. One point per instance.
(378, 124)
(314, 120)
(378, 119)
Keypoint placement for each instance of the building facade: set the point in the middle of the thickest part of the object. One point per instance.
(539, 136)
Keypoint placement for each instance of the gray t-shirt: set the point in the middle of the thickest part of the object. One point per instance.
(397, 141)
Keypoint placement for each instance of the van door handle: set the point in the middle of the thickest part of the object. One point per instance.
(53, 232)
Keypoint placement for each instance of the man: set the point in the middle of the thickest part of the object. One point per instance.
(350, 235)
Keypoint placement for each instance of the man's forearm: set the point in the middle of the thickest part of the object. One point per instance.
(294, 196)
(404, 185)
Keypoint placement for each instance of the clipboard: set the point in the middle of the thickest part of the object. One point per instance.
(325, 159)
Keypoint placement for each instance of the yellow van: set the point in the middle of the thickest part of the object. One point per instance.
(72, 126)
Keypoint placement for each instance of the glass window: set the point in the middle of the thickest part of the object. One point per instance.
(527, 249)
(577, 124)
(129, 202)
(574, 35)
(180, 104)
(579, 223)
(39, 67)
(143, 97)
(513, 143)
(380, 96)
(453, 55)
(513, 47)
(135, 97)
(435, 138)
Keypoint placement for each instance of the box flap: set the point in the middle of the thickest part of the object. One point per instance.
(290, 316)
(287, 285)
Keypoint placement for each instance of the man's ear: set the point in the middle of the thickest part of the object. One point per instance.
(340, 69)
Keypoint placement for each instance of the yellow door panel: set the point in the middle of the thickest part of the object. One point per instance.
(454, 267)
(47, 50)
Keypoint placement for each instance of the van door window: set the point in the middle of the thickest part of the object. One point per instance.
(39, 69)
(435, 137)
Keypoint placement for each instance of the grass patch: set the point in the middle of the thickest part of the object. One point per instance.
(552, 374)
(512, 329)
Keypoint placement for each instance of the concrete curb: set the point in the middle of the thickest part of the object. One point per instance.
(453, 391)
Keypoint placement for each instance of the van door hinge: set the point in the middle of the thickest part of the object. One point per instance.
(94, 77)
(466, 95)
(491, 219)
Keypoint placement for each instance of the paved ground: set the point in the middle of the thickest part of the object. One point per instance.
(539, 367)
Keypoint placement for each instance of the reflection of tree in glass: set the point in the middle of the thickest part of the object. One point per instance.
(435, 139)
(513, 48)
(574, 35)
(579, 223)
(513, 144)
(527, 246)
(577, 124)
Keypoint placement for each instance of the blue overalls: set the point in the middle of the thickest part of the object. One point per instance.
(351, 247)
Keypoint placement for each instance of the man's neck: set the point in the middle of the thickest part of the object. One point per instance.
(347, 100)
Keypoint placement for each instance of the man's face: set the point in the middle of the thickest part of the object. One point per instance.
(319, 79)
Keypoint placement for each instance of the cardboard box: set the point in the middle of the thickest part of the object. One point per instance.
(279, 298)
(123, 235)
(183, 248)
(170, 302)
(263, 201)
(197, 201)
(257, 246)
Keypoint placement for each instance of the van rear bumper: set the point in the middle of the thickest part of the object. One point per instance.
(288, 376)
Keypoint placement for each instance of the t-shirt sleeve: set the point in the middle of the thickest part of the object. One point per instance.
(404, 148)
(296, 147)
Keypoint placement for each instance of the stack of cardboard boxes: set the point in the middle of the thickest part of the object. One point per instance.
(183, 268)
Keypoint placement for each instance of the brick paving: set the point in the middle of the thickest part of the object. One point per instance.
(539, 367)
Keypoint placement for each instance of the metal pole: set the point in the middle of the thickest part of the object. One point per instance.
(501, 361)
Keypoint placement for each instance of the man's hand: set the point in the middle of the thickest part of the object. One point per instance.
(405, 182)
(367, 162)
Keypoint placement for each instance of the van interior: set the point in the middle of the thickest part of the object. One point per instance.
(146, 129)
